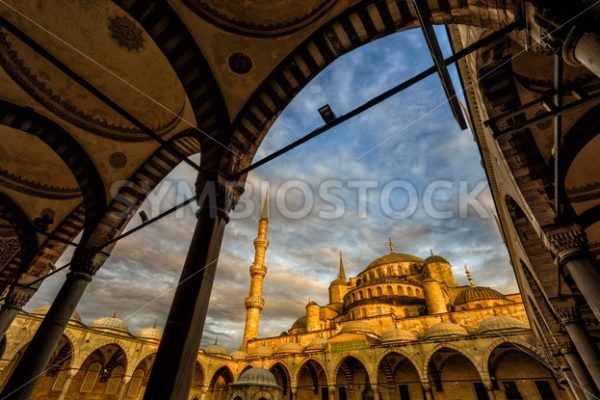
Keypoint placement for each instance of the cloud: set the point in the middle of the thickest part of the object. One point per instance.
(421, 143)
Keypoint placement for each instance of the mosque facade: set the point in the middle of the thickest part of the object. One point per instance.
(403, 328)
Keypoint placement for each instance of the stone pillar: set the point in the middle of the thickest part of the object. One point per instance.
(376, 393)
(17, 297)
(28, 371)
(172, 371)
(434, 296)
(569, 244)
(579, 380)
(294, 392)
(489, 387)
(123, 389)
(583, 48)
(586, 349)
(427, 391)
(313, 317)
(331, 390)
(66, 385)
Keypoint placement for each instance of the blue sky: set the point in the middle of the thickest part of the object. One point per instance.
(411, 137)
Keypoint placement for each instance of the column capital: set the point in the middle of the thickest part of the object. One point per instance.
(18, 296)
(216, 193)
(566, 241)
(568, 315)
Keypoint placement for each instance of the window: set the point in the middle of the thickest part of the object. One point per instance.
(400, 291)
(360, 295)
(136, 383)
(115, 380)
(409, 291)
(545, 390)
(91, 377)
(369, 293)
(480, 391)
(404, 393)
(418, 292)
(511, 391)
(379, 291)
(364, 312)
(390, 291)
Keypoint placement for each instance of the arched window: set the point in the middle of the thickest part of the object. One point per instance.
(379, 291)
(360, 295)
(60, 380)
(115, 380)
(353, 297)
(91, 377)
(406, 313)
(409, 291)
(136, 383)
(418, 292)
(390, 291)
(364, 312)
(369, 293)
(400, 291)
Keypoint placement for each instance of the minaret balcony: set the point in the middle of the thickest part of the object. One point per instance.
(254, 302)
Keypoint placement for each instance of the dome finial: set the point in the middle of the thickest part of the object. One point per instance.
(114, 315)
(391, 245)
(469, 277)
(431, 250)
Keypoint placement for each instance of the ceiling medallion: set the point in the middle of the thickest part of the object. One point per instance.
(117, 159)
(126, 33)
(240, 63)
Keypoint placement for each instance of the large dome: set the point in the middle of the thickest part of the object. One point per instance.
(289, 348)
(150, 334)
(43, 310)
(216, 349)
(318, 344)
(239, 355)
(300, 323)
(398, 335)
(394, 257)
(476, 293)
(434, 258)
(257, 377)
(444, 329)
(357, 327)
(110, 324)
(501, 323)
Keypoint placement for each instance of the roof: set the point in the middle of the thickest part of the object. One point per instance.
(257, 377)
(398, 335)
(394, 257)
(150, 333)
(216, 349)
(111, 324)
(434, 258)
(43, 310)
(501, 323)
(476, 293)
(444, 329)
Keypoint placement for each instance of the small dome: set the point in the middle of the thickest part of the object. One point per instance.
(239, 355)
(443, 329)
(262, 351)
(434, 258)
(476, 293)
(398, 335)
(43, 310)
(289, 348)
(257, 377)
(357, 327)
(216, 349)
(300, 323)
(317, 344)
(110, 324)
(150, 333)
(394, 257)
(501, 323)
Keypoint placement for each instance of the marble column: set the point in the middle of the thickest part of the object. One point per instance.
(569, 244)
(171, 375)
(17, 297)
(587, 350)
(30, 368)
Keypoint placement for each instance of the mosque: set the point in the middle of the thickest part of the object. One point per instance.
(403, 328)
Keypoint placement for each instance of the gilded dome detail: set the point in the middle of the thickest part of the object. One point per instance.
(357, 327)
(262, 351)
(150, 333)
(318, 344)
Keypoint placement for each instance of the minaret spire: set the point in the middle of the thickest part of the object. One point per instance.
(469, 277)
(255, 302)
(342, 272)
(391, 245)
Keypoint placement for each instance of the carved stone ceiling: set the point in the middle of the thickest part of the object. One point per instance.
(132, 69)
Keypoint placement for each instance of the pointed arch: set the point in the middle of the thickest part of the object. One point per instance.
(396, 372)
(23, 228)
(310, 379)
(449, 364)
(282, 376)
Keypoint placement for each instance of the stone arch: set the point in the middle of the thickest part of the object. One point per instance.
(396, 372)
(477, 363)
(352, 378)
(282, 376)
(310, 377)
(219, 383)
(518, 343)
(449, 364)
(139, 373)
(87, 349)
(23, 228)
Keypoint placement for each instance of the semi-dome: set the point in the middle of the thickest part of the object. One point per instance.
(216, 349)
(318, 344)
(239, 355)
(434, 258)
(300, 323)
(398, 335)
(394, 257)
(151, 333)
(357, 327)
(444, 329)
(475, 293)
(110, 324)
(501, 323)
(43, 310)
(257, 377)
(289, 348)
(262, 351)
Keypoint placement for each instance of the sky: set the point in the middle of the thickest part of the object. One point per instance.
(348, 190)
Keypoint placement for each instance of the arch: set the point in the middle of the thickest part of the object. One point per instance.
(24, 230)
(68, 149)
(453, 372)
(351, 376)
(578, 136)
(139, 373)
(389, 290)
(311, 378)
(397, 374)
(136, 382)
(400, 290)
(282, 376)
(219, 383)
(369, 293)
(379, 291)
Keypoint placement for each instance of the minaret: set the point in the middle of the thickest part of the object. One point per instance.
(339, 287)
(255, 302)
(342, 271)
(469, 277)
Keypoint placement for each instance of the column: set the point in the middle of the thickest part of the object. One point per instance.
(376, 394)
(569, 244)
(489, 387)
(582, 342)
(331, 391)
(66, 385)
(427, 391)
(578, 378)
(294, 392)
(21, 383)
(171, 375)
(124, 386)
(582, 47)
(17, 297)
